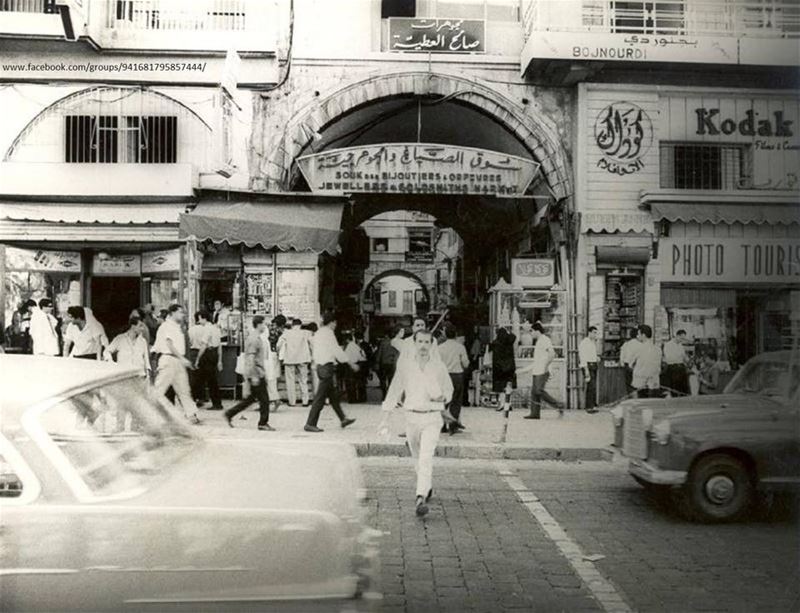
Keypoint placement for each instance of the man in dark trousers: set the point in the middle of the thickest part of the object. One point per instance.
(326, 352)
(256, 373)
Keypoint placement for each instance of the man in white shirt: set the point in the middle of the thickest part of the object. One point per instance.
(83, 339)
(427, 387)
(43, 329)
(587, 357)
(454, 356)
(172, 364)
(327, 352)
(204, 355)
(296, 350)
(627, 356)
(647, 365)
(676, 374)
(543, 354)
(130, 348)
(221, 318)
(408, 346)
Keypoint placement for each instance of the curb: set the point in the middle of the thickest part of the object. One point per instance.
(490, 452)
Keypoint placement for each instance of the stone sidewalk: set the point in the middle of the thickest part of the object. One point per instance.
(488, 435)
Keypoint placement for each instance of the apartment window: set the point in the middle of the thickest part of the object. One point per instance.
(647, 17)
(408, 301)
(398, 8)
(380, 245)
(392, 299)
(420, 240)
(695, 166)
(128, 139)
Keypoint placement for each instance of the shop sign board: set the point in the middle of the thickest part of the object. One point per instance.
(117, 265)
(623, 132)
(410, 34)
(419, 257)
(297, 293)
(417, 168)
(168, 260)
(730, 260)
(42, 260)
(529, 272)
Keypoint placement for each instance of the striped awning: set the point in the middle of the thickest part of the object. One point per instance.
(93, 213)
(779, 214)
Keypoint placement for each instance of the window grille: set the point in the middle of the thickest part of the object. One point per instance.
(108, 139)
(408, 301)
(648, 17)
(706, 166)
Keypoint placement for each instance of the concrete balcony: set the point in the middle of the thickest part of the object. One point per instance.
(30, 19)
(42, 179)
(699, 32)
(249, 26)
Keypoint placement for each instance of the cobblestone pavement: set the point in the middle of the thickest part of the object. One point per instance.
(481, 549)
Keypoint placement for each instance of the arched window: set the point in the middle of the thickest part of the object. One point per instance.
(114, 125)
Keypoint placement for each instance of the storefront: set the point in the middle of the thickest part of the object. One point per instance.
(690, 219)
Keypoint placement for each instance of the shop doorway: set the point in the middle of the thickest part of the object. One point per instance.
(113, 299)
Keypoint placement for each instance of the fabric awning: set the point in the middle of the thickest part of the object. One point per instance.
(299, 225)
(727, 213)
(131, 213)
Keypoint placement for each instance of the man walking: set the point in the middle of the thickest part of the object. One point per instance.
(43, 329)
(172, 364)
(454, 356)
(256, 372)
(84, 336)
(294, 346)
(587, 356)
(130, 348)
(676, 374)
(427, 387)
(543, 354)
(327, 352)
(199, 339)
(647, 365)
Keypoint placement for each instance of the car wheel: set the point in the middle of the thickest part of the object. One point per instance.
(719, 488)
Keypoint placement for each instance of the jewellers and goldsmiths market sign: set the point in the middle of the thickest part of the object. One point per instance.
(417, 168)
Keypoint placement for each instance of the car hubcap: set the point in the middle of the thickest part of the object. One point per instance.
(719, 489)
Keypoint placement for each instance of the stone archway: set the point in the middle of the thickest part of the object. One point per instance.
(306, 125)
(399, 272)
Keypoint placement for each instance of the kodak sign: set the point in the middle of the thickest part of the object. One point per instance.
(709, 122)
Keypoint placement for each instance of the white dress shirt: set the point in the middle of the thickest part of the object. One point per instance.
(421, 384)
(628, 351)
(43, 333)
(199, 336)
(87, 341)
(172, 331)
(354, 353)
(130, 352)
(326, 349)
(454, 356)
(674, 352)
(587, 352)
(543, 354)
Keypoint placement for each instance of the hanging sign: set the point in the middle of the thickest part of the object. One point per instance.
(730, 260)
(168, 260)
(40, 260)
(417, 168)
(117, 265)
(437, 35)
(527, 272)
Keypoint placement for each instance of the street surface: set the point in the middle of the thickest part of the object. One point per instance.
(482, 549)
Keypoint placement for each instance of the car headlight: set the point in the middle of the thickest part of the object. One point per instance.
(661, 432)
(617, 413)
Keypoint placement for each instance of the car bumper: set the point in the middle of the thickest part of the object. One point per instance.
(656, 476)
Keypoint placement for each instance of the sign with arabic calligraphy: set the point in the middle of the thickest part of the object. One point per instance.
(168, 260)
(417, 168)
(624, 133)
(528, 272)
(40, 260)
(437, 35)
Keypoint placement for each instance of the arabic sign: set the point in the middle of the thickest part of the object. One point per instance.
(620, 47)
(527, 272)
(417, 168)
(624, 133)
(40, 260)
(118, 265)
(437, 35)
(730, 260)
(168, 260)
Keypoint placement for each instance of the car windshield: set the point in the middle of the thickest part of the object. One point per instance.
(772, 378)
(116, 436)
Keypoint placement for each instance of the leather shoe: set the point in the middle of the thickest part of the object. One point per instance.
(422, 508)
(530, 417)
(309, 428)
(266, 427)
(227, 417)
(348, 421)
